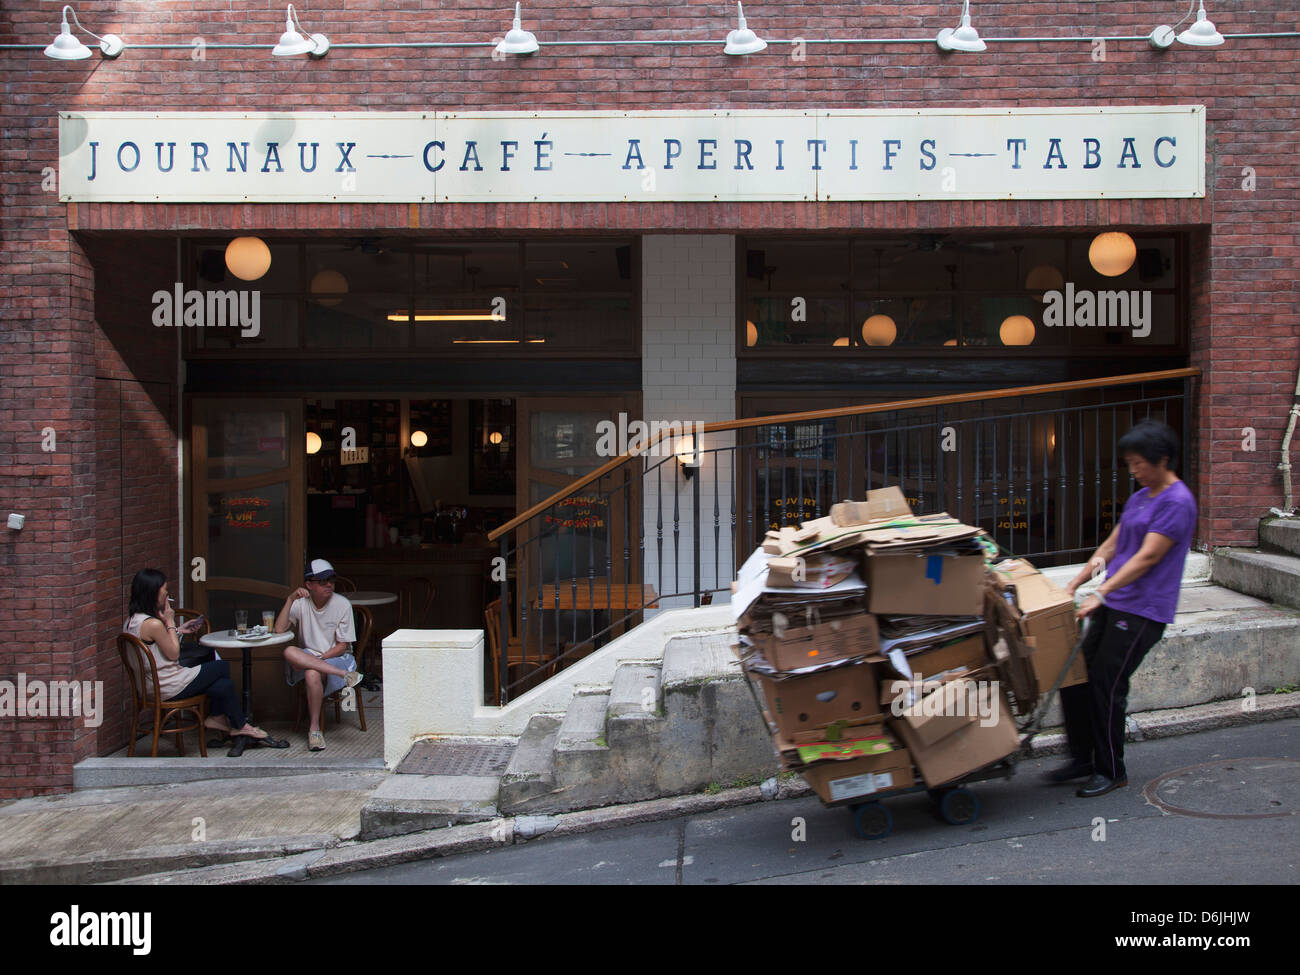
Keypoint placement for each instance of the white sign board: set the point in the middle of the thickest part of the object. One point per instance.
(453, 157)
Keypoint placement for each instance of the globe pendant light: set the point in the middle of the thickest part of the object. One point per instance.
(313, 442)
(742, 40)
(964, 38)
(328, 287)
(879, 330)
(517, 40)
(1112, 254)
(1016, 330)
(248, 258)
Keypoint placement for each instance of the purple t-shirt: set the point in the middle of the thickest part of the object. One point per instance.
(1172, 513)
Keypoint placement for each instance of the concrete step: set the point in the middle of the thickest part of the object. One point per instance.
(583, 727)
(583, 777)
(411, 803)
(1269, 575)
(636, 690)
(1280, 535)
(698, 658)
(529, 779)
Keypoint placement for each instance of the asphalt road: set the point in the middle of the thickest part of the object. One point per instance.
(1028, 832)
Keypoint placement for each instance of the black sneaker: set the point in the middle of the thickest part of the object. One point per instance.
(1074, 770)
(1099, 785)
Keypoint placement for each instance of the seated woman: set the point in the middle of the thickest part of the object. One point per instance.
(153, 622)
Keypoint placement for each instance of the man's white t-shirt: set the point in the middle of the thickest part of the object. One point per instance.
(321, 628)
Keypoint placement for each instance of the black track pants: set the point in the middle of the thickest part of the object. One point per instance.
(1115, 645)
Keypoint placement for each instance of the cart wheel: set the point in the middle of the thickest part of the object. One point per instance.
(960, 807)
(936, 795)
(873, 821)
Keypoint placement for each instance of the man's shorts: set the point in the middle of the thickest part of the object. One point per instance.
(344, 661)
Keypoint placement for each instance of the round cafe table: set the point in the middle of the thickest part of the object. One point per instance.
(369, 597)
(226, 640)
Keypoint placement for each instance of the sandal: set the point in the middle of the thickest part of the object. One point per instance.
(268, 742)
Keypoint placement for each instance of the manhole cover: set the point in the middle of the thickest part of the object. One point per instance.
(1233, 788)
(457, 758)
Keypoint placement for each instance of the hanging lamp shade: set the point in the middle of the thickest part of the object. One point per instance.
(1112, 253)
(292, 42)
(313, 442)
(328, 287)
(419, 438)
(1202, 33)
(1044, 277)
(964, 38)
(67, 47)
(518, 40)
(751, 334)
(742, 40)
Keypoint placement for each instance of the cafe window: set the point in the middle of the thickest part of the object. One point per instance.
(862, 297)
(389, 294)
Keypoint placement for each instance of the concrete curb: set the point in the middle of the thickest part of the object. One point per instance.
(476, 837)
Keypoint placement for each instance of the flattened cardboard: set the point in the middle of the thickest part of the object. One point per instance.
(808, 572)
(866, 776)
(950, 585)
(961, 752)
(836, 639)
(970, 653)
(818, 699)
(881, 504)
(1047, 664)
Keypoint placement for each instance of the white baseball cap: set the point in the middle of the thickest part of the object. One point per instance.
(320, 570)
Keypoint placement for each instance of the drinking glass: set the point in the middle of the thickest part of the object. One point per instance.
(241, 621)
(268, 619)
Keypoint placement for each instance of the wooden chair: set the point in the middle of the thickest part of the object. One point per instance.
(185, 614)
(414, 602)
(515, 661)
(142, 675)
(344, 584)
(365, 623)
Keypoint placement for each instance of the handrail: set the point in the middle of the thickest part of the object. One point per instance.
(1128, 379)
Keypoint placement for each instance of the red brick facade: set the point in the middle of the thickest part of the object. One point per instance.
(104, 503)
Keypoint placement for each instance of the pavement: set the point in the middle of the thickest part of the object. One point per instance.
(286, 828)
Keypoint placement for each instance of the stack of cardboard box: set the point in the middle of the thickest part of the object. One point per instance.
(871, 633)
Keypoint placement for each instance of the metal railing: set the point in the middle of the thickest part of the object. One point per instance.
(1037, 467)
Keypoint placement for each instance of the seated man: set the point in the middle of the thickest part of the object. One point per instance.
(325, 626)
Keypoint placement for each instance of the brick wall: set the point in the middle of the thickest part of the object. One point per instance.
(1245, 241)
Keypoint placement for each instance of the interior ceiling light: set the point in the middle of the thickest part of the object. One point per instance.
(879, 330)
(1200, 34)
(66, 47)
(964, 38)
(293, 43)
(742, 40)
(517, 40)
(402, 315)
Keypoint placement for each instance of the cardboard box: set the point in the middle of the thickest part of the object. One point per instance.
(881, 504)
(815, 700)
(860, 777)
(948, 585)
(1047, 619)
(963, 751)
(949, 708)
(837, 639)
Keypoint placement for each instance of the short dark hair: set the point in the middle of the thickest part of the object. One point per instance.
(1152, 441)
(144, 592)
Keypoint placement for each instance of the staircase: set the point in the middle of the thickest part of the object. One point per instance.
(665, 727)
(1270, 571)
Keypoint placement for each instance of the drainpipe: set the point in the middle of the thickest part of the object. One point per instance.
(1289, 510)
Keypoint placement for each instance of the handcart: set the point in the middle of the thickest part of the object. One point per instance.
(955, 803)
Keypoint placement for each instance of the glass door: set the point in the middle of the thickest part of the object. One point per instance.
(247, 511)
